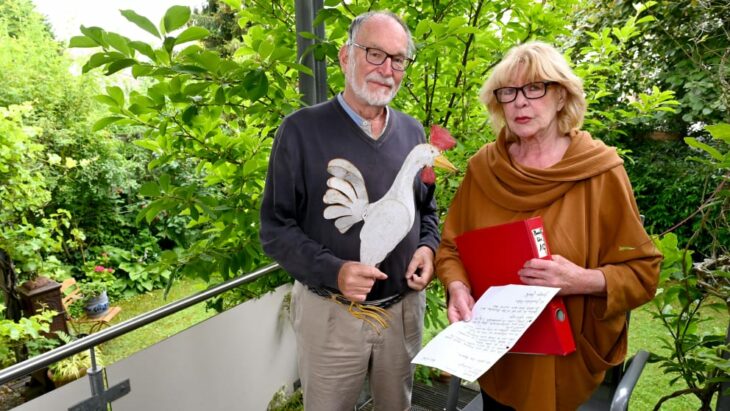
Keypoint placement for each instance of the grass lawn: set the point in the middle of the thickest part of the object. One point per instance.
(128, 344)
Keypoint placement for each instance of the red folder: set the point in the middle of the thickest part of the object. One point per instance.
(493, 255)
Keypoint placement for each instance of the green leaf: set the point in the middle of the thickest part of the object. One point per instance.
(188, 69)
(168, 44)
(265, 49)
(151, 211)
(105, 122)
(144, 48)
(191, 34)
(300, 67)
(175, 17)
(189, 113)
(256, 84)
(165, 181)
(94, 33)
(207, 59)
(116, 93)
(234, 4)
(82, 42)
(422, 27)
(119, 43)
(95, 61)
(150, 189)
(119, 65)
(720, 131)
(220, 96)
(704, 147)
(148, 144)
(142, 22)
(104, 99)
(192, 89)
(141, 70)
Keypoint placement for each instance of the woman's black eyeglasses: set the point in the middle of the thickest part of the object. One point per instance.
(377, 57)
(531, 91)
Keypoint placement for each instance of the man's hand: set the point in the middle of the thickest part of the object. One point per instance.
(564, 274)
(355, 280)
(420, 269)
(460, 302)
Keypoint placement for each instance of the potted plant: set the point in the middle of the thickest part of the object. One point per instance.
(94, 298)
(74, 367)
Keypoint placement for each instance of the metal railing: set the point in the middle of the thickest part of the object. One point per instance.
(41, 361)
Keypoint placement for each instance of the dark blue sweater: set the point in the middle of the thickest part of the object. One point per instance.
(293, 229)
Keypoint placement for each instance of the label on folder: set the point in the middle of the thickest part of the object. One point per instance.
(493, 255)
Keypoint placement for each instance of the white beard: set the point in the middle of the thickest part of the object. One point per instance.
(379, 97)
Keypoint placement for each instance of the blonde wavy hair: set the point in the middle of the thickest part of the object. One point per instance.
(536, 61)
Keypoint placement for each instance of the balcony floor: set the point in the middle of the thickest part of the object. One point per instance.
(432, 398)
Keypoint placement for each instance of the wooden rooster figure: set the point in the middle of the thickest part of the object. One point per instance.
(388, 220)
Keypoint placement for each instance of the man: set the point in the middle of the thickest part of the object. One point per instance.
(336, 350)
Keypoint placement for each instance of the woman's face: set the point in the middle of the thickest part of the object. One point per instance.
(529, 116)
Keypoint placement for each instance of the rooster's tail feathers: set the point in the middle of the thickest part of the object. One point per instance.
(346, 171)
(346, 195)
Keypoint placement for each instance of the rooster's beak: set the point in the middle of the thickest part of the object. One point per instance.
(444, 163)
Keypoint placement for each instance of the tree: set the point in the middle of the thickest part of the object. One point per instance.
(686, 51)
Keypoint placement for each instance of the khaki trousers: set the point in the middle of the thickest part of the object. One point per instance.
(336, 351)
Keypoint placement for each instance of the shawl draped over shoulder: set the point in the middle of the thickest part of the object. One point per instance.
(591, 218)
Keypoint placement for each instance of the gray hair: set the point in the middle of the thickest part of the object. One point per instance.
(359, 20)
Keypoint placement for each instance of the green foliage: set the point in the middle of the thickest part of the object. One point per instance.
(208, 124)
(714, 209)
(64, 188)
(683, 50)
(613, 112)
(697, 355)
(131, 273)
(26, 233)
(75, 366)
(18, 336)
(669, 187)
(286, 402)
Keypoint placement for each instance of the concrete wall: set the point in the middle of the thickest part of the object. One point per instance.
(236, 360)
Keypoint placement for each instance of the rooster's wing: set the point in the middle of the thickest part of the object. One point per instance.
(386, 223)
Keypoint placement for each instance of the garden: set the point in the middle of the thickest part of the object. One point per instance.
(136, 168)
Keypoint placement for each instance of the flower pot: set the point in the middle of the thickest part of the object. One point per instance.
(97, 306)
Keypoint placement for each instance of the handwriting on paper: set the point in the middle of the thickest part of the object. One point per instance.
(499, 318)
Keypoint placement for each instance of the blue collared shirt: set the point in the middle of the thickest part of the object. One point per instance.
(361, 122)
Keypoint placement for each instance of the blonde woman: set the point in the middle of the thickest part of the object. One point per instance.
(603, 261)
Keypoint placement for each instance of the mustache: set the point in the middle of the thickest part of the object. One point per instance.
(381, 79)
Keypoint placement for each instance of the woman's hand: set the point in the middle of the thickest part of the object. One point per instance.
(564, 274)
(460, 302)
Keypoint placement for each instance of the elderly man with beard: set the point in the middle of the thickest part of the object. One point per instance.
(337, 350)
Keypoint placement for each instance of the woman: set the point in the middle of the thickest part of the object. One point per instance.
(603, 261)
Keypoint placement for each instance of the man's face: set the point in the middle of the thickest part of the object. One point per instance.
(370, 84)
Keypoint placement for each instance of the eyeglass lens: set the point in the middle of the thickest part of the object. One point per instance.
(531, 91)
(378, 57)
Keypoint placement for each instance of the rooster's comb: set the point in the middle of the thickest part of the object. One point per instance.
(441, 138)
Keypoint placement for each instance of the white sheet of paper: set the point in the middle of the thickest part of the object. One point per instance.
(500, 317)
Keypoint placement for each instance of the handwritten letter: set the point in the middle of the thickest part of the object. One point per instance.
(499, 318)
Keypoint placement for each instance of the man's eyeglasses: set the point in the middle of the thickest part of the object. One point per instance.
(531, 91)
(377, 57)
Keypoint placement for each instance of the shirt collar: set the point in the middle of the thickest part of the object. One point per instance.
(361, 122)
